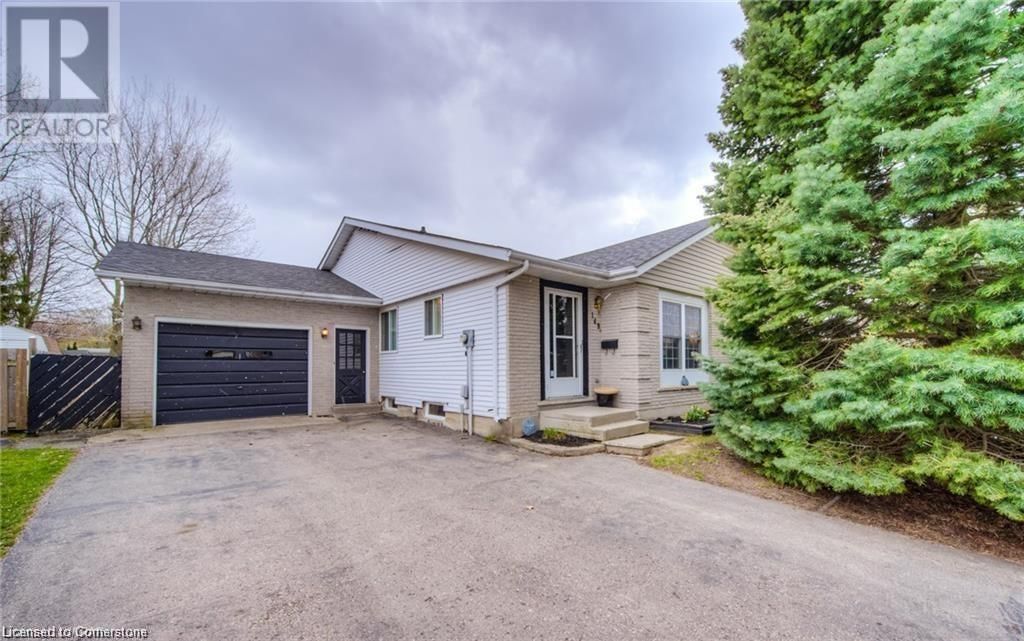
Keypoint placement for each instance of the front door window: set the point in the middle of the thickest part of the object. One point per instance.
(563, 353)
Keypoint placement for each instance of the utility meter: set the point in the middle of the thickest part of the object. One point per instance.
(467, 338)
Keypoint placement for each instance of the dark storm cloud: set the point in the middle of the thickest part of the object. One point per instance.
(514, 123)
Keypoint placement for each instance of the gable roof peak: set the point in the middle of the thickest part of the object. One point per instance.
(637, 251)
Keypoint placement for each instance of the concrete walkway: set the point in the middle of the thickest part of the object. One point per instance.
(75, 439)
(213, 427)
(389, 529)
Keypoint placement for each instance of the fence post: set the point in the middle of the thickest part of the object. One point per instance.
(5, 407)
(21, 389)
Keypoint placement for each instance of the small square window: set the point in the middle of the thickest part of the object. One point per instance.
(432, 317)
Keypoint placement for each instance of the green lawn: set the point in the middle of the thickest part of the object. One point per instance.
(24, 476)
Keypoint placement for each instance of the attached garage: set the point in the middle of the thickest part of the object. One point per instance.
(215, 372)
(210, 338)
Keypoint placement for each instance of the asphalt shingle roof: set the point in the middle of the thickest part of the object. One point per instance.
(637, 251)
(147, 260)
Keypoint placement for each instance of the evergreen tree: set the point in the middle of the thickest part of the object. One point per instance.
(10, 299)
(873, 186)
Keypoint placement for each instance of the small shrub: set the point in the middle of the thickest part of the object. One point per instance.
(552, 435)
(697, 414)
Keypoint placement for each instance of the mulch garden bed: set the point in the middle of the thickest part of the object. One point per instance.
(567, 440)
(927, 512)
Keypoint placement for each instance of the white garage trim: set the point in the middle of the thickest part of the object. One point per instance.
(221, 323)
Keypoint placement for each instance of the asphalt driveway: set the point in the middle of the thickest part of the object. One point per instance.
(394, 530)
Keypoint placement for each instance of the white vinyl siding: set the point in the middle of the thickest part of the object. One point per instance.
(395, 269)
(433, 371)
(693, 270)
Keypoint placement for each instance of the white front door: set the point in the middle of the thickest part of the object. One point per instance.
(563, 343)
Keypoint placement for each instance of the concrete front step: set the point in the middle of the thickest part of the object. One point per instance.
(640, 444)
(585, 416)
(355, 409)
(608, 432)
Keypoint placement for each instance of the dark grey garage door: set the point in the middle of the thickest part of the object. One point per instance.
(212, 372)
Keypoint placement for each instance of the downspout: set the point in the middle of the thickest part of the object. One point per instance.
(501, 283)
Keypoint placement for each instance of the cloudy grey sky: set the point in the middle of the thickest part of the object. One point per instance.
(551, 128)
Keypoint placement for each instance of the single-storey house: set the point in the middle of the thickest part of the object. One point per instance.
(446, 329)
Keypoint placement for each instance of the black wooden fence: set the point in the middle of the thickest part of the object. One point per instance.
(70, 391)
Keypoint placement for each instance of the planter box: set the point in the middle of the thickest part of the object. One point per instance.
(679, 426)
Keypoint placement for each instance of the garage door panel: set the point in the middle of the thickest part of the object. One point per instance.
(231, 342)
(228, 402)
(191, 378)
(255, 353)
(239, 389)
(213, 372)
(217, 414)
(213, 365)
(169, 329)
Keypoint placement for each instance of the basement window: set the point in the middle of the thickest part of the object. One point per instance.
(434, 411)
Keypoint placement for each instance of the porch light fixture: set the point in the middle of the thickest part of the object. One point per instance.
(136, 323)
(324, 332)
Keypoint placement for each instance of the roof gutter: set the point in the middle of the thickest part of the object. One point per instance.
(572, 268)
(229, 288)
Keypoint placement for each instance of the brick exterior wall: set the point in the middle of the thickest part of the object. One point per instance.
(630, 314)
(653, 401)
(619, 320)
(523, 349)
(149, 303)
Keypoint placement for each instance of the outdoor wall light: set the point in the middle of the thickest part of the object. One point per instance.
(324, 333)
(136, 323)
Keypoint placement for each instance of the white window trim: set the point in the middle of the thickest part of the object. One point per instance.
(428, 415)
(440, 299)
(671, 377)
(380, 330)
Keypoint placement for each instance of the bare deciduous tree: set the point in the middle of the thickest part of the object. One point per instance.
(15, 154)
(43, 279)
(165, 183)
